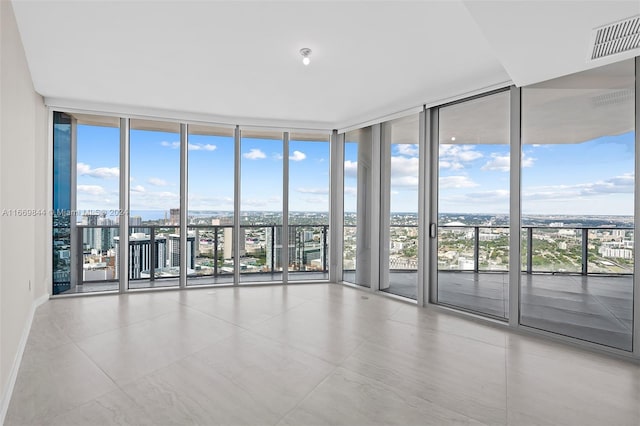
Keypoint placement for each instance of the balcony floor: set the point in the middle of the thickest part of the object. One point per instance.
(302, 355)
(595, 308)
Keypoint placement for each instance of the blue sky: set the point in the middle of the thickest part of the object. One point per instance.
(594, 177)
(155, 178)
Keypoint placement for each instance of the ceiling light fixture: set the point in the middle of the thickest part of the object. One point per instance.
(305, 52)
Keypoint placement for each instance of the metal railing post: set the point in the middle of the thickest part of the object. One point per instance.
(215, 251)
(325, 230)
(476, 249)
(153, 253)
(273, 248)
(529, 250)
(585, 251)
(80, 254)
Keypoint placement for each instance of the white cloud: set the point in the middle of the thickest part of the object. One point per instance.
(297, 156)
(254, 154)
(456, 182)
(205, 202)
(259, 203)
(454, 156)
(502, 163)
(404, 172)
(192, 146)
(157, 181)
(316, 202)
(410, 150)
(323, 191)
(174, 145)
(350, 190)
(91, 189)
(138, 188)
(623, 184)
(202, 147)
(488, 196)
(351, 168)
(100, 172)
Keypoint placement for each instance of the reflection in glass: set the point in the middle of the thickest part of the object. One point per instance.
(577, 205)
(473, 204)
(61, 238)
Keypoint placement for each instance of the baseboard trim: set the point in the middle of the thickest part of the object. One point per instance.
(8, 391)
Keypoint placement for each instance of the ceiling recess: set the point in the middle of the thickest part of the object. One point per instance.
(618, 37)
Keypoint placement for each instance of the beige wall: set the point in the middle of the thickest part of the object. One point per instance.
(23, 185)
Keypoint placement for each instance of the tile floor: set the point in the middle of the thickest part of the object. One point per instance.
(302, 355)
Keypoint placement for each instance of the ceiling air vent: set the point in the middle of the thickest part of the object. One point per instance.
(618, 37)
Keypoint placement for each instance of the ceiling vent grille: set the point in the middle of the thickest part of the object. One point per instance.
(618, 37)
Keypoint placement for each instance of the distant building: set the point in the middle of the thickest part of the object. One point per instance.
(173, 253)
(140, 255)
(174, 217)
(228, 251)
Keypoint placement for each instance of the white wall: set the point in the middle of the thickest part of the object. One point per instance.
(23, 185)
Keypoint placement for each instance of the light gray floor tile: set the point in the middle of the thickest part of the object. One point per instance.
(352, 399)
(460, 374)
(555, 391)
(113, 408)
(242, 306)
(274, 373)
(316, 354)
(133, 351)
(51, 382)
(189, 392)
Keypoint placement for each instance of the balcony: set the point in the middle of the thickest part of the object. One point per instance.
(575, 281)
(154, 255)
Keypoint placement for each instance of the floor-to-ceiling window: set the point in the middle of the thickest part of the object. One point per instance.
(308, 206)
(62, 279)
(210, 204)
(97, 201)
(357, 193)
(473, 204)
(154, 197)
(260, 251)
(399, 249)
(578, 205)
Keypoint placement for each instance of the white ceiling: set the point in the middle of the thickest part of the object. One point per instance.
(238, 61)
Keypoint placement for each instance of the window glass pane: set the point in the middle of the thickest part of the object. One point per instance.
(473, 205)
(578, 203)
(97, 200)
(211, 202)
(400, 251)
(154, 198)
(357, 177)
(261, 207)
(308, 207)
(62, 219)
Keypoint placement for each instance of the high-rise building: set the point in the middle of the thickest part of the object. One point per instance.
(173, 253)
(228, 251)
(141, 258)
(174, 217)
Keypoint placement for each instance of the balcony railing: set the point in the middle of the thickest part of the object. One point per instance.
(210, 253)
(545, 249)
